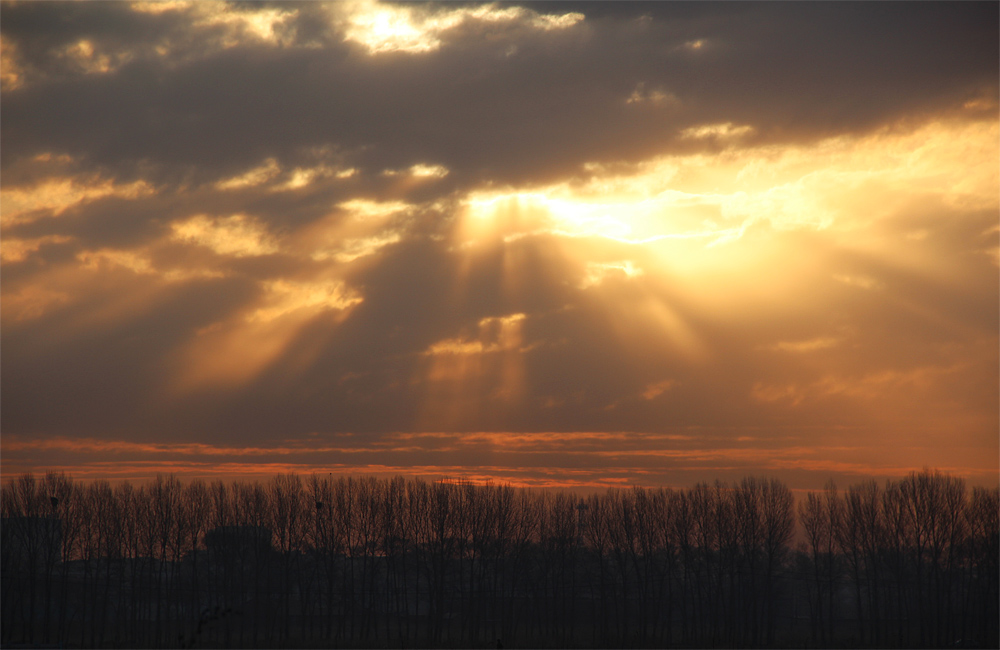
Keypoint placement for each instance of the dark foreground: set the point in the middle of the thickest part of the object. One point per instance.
(393, 563)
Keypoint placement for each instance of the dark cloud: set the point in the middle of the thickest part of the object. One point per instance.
(555, 102)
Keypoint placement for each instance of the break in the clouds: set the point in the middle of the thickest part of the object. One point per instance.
(550, 243)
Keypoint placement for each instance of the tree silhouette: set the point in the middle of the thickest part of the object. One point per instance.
(361, 561)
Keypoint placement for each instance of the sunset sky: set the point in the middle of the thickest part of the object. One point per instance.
(577, 244)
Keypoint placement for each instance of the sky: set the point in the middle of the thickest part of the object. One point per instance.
(551, 244)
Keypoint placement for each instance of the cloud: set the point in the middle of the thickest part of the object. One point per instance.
(526, 116)
(808, 345)
(383, 28)
(232, 224)
(654, 460)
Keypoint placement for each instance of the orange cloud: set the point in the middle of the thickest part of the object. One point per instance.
(587, 459)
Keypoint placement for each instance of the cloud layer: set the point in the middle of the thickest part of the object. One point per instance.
(549, 242)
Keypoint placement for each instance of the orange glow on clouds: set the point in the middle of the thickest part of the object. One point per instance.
(467, 284)
(643, 459)
(59, 194)
(234, 351)
(464, 373)
(383, 28)
(709, 200)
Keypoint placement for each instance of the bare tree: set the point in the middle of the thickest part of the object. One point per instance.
(365, 561)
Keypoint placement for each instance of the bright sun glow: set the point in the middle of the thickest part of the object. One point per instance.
(687, 221)
(399, 28)
(712, 199)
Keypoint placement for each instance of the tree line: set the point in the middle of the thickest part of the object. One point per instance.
(362, 561)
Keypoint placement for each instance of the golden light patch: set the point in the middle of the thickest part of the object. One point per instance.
(597, 272)
(419, 170)
(304, 176)
(218, 26)
(103, 258)
(21, 205)
(138, 261)
(653, 96)
(730, 234)
(688, 216)
(496, 334)
(85, 57)
(161, 6)
(385, 28)
(465, 373)
(234, 351)
(284, 297)
(456, 346)
(723, 130)
(435, 171)
(260, 23)
(352, 249)
(842, 183)
(103, 285)
(301, 178)
(389, 29)
(575, 212)
(358, 229)
(237, 235)
(269, 173)
(367, 209)
(509, 215)
(48, 156)
(256, 176)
